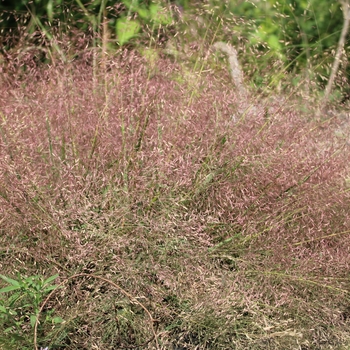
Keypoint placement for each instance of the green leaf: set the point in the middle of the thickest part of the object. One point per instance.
(159, 14)
(9, 289)
(154, 11)
(50, 288)
(50, 279)
(33, 282)
(126, 29)
(128, 3)
(33, 319)
(49, 10)
(57, 320)
(8, 330)
(10, 280)
(3, 309)
(14, 297)
(274, 42)
(144, 13)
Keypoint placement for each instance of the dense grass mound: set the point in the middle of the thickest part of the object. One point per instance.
(171, 224)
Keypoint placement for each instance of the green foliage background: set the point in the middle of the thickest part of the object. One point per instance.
(298, 33)
(301, 34)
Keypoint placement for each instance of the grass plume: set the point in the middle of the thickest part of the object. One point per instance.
(231, 235)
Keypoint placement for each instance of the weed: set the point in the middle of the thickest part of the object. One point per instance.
(20, 310)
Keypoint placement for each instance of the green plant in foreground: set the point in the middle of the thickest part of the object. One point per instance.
(20, 310)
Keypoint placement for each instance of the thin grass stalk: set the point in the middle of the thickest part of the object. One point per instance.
(340, 48)
(95, 29)
(49, 37)
(104, 53)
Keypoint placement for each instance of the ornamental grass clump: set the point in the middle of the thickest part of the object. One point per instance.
(231, 234)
